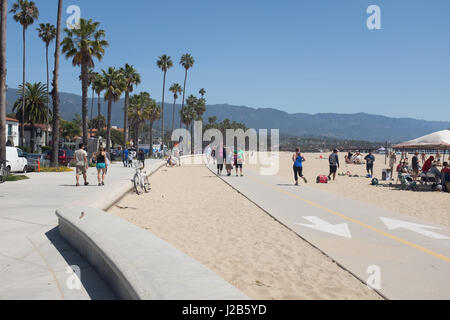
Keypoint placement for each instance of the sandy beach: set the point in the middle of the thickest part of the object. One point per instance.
(429, 206)
(202, 216)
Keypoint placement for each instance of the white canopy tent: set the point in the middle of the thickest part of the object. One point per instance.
(436, 141)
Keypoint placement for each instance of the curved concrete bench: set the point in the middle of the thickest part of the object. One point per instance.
(136, 264)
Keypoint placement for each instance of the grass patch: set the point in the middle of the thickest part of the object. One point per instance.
(54, 170)
(16, 178)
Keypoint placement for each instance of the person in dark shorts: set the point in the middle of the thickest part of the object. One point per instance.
(334, 164)
(239, 161)
(298, 160)
(220, 156)
(141, 158)
(370, 159)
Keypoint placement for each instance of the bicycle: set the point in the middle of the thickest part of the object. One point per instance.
(140, 179)
(4, 172)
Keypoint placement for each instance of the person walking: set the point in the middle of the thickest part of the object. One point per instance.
(370, 159)
(239, 163)
(334, 164)
(298, 160)
(141, 158)
(100, 160)
(228, 161)
(125, 157)
(220, 154)
(82, 164)
(213, 155)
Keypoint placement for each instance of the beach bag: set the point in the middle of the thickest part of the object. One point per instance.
(322, 179)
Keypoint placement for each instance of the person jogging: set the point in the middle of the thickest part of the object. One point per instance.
(298, 160)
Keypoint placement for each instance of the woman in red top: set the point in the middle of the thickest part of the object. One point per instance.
(427, 165)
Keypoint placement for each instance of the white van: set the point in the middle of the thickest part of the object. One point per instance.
(15, 160)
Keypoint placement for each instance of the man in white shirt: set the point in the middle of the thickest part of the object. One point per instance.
(82, 164)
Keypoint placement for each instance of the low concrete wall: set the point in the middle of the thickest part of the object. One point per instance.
(137, 264)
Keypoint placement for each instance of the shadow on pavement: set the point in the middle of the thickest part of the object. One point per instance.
(94, 285)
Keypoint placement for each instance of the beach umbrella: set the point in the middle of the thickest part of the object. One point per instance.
(435, 141)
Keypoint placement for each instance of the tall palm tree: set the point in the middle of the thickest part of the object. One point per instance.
(4, 12)
(187, 61)
(176, 90)
(82, 45)
(55, 91)
(114, 87)
(47, 33)
(164, 63)
(202, 92)
(188, 114)
(36, 107)
(99, 86)
(92, 76)
(132, 78)
(25, 12)
(139, 112)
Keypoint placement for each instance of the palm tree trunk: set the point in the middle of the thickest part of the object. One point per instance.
(92, 111)
(99, 106)
(162, 108)
(55, 93)
(22, 128)
(125, 119)
(84, 98)
(173, 115)
(108, 128)
(32, 137)
(48, 96)
(136, 142)
(4, 12)
(151, 138)
(184, 92)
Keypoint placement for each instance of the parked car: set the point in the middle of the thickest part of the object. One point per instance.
(15, 160)
(116, 155)
(65, 156)
(33, 161)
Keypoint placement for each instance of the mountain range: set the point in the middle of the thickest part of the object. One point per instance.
(360, 126)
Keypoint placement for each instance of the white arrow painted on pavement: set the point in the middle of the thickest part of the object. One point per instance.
(340, 230)
(393, 224)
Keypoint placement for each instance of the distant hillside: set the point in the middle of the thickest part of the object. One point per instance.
(359, 126)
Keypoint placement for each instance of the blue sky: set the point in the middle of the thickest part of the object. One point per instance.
(298, 56)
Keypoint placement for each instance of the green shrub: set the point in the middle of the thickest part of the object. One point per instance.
(57, 169)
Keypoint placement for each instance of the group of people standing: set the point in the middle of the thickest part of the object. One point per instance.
(228, 158)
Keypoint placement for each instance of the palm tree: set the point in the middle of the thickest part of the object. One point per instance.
(114, 87)
(99, 86)
(187, 61)
(202, 92)
(47, 33)
(164, 63)
(154, 114)
(82, 45)
(36, 107)
(92, 76)
(4, 11)
(138, 112)
(55, 91)
(188, 114)
(25, 12)
(176, 90)
(132, 78)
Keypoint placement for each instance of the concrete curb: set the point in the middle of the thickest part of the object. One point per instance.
(135, 263)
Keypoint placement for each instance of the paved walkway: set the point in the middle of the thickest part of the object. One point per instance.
(402, 257)
(34, 259)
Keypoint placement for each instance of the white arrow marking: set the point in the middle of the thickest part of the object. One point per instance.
(340, 230)
(393, 224)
